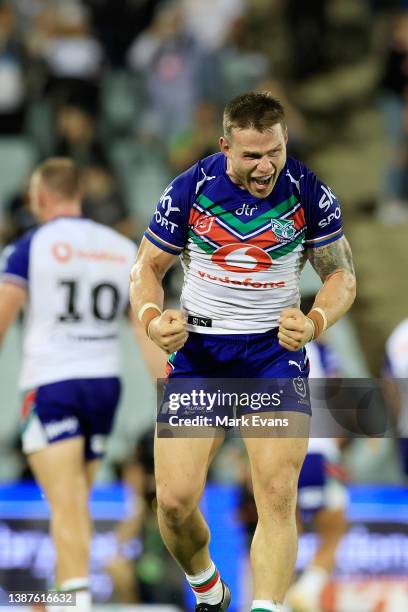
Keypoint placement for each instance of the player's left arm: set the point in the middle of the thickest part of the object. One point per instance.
(12, 300)
(334, 264)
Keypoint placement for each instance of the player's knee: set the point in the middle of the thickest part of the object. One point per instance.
(175, 507)
(69, 499)
(277, 496)
(331, 524)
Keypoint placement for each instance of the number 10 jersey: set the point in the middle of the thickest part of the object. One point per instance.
(76, 273)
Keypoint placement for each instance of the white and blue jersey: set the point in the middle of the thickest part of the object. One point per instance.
(76, 274)
(242, 256)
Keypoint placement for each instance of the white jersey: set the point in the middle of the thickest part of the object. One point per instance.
(76, 273)
(397, 367)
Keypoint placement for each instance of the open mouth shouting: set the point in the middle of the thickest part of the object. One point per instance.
(262, 183)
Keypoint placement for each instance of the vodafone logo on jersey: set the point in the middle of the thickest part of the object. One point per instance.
(62, 251)
(241, 257)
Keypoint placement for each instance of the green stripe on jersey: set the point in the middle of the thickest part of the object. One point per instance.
(245, 228)
(201, 243)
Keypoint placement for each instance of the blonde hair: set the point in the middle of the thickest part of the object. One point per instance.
(61, 176)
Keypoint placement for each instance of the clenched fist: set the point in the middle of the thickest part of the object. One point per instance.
(295, 329)
(169, 331)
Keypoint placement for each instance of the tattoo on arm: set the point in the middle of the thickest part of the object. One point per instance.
(335, 256)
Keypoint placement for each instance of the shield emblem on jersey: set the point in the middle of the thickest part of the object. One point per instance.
(283, 230)
(299, 385)
(203, 224)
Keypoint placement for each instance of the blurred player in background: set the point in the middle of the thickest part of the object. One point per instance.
(71, 275)
(322, 496)
(142, 569)
(396, 387)
(243, 221)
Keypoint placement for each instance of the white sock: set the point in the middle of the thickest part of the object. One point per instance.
(206, 585)
(80, 588)
(266, 605)
(313, 580)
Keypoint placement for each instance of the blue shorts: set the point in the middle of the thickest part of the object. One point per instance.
(247, 364)
(403, 451)
(66, 409)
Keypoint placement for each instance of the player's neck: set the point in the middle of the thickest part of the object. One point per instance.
(68, 210)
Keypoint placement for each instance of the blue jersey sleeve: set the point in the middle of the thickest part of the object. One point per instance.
(14, 264)
(168, 229)
(329, 360)
(322, 212)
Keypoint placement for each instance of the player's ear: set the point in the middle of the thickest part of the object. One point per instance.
(224, 146)
(39, 205)
(42, 200)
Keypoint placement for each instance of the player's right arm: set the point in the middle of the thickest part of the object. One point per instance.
(164, 241)
(13, 282)
(12, 300)
(166, 329)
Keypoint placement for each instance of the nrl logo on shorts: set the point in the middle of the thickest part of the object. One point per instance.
(203, 224)
(283, 230)
(299, 385)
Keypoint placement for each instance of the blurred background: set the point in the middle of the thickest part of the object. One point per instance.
(133, 90)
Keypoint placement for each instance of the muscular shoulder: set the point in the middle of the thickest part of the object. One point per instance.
(306, 182)
(195, 179)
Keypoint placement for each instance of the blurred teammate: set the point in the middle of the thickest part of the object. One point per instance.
(71, 274)
(322, 498)
(142, 570)
(396, 386)
(243, 221)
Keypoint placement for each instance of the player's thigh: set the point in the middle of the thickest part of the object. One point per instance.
(60, 470)
(181, 466)
(275, 457)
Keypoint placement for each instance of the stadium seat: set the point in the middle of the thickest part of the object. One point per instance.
(17, 158)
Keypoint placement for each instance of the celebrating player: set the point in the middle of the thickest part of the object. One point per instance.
(244, 221)
(72, 276)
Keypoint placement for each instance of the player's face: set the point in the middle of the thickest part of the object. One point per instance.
(255, 159)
